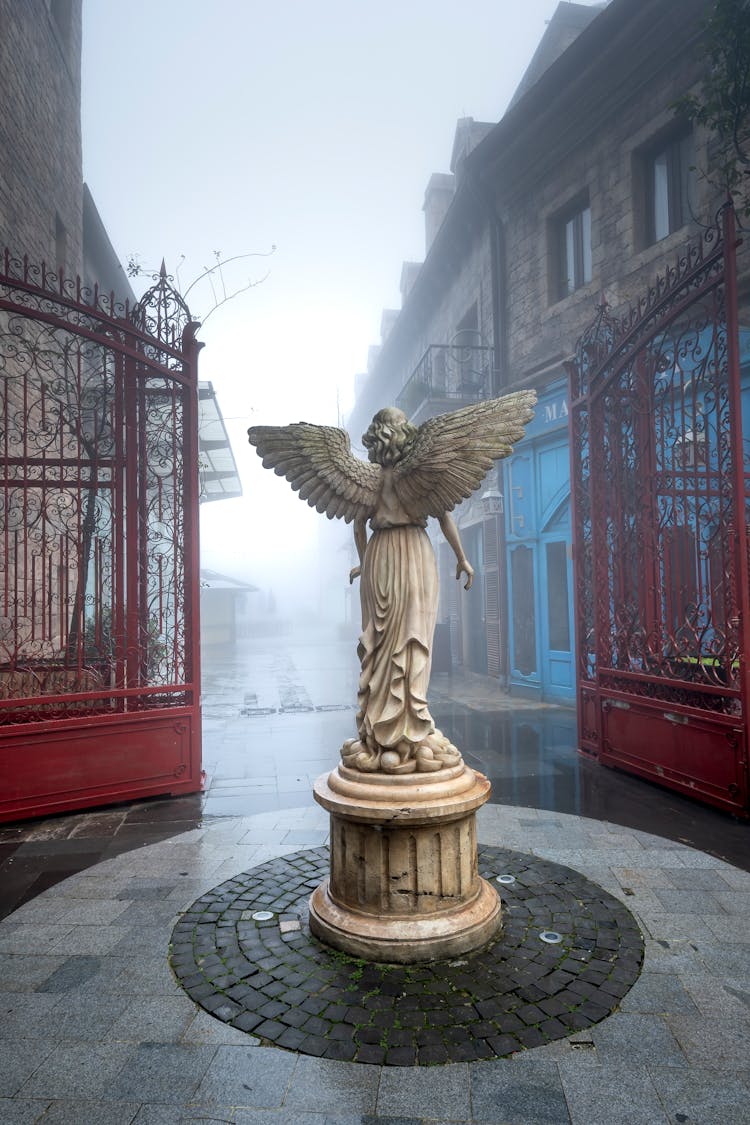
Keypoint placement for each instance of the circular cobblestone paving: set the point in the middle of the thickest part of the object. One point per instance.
(270, 977)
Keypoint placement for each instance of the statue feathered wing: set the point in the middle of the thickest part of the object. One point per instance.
(319, 464)
(452, 453)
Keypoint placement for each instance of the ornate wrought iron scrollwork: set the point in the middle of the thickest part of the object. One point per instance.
(653, 484)
(162, 313)
(92, 525)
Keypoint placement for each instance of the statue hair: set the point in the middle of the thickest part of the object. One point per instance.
(389, 436)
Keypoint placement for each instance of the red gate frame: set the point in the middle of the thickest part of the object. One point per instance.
(76, 743)
(633, 714)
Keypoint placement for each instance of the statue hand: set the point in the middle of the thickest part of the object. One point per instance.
(354, 573)
(465, 568)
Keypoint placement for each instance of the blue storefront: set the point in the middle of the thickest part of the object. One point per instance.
(539, 555)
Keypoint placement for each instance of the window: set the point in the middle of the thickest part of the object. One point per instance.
(668, 182)
(573, 250)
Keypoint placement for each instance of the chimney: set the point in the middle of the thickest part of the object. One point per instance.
(387, 320)
(437, 200)
(409, 271)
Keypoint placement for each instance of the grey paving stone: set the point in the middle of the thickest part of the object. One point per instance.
(21, 1111)
(640, 1039)
(93, 912)
(254, 1077)
(702, 1097)
(204, 1029)
(18, 1061)
(530, 1094)
(80, 1070)
(676, 927)
(379, 1120)
(178, 1114)
(611, 1095)
(156, 1072)
(728, 928)
(730, 963)
(22, 1016)
(94, 940)
(636, 878)
(328, 1086)
(734, 902)
(658, 992)
(294, 1117)
(712, 1044)
(158, 1019)
(26, 973)
(443, 1090)
(736, 878)
(698, 901)
(92, 1113)
(136, 941)
(676, 957)
(31, 937)
(718, 1000)
(697, 878)
(86, 1016)
(70, 973)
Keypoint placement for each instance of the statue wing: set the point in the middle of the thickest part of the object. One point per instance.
(319, 464)
(452, 453)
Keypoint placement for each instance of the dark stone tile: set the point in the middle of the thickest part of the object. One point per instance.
(514, 993)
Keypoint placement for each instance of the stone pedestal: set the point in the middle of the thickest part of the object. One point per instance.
(404, 885)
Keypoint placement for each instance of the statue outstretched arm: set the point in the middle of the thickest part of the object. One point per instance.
(450, 531)
(360, 542)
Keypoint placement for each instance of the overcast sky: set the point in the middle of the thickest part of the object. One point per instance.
(237, 125)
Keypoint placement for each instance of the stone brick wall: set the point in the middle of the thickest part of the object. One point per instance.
(40, 130)
(605, 166)
(452, 293)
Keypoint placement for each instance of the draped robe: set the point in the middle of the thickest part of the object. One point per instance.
(399, 596)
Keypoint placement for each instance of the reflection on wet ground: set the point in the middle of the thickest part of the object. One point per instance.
(276, 711)
(532, 761)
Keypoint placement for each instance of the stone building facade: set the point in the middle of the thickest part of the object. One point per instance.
(588, 187)
(41, 183)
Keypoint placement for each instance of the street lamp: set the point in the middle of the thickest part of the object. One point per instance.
(492, 501)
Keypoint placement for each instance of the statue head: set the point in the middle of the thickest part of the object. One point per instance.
(389, 436)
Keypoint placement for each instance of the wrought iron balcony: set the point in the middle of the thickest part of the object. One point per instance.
(447, 377)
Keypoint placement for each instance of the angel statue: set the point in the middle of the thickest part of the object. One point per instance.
(414, 472)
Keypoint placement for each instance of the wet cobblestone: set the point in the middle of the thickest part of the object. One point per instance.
(288, 989)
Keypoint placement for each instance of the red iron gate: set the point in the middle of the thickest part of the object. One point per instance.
(660, 495)
(99, 586)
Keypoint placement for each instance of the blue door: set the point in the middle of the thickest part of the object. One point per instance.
(540, 570)
(556, 565)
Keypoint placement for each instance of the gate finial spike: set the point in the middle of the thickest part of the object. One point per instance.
(163, 270)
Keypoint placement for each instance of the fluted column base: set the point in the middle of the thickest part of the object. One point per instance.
(404, 885)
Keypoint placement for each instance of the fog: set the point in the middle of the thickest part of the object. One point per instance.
(240, 126)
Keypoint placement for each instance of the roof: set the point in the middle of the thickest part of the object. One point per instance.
(213, 580)
(567, 23)
(219, 479)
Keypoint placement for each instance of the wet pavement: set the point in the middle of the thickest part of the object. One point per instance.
(95, 1028)
(276, 710)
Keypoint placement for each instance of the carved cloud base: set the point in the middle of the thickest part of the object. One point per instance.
(404, 885)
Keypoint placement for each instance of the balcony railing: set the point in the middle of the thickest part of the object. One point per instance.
(447, 376)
